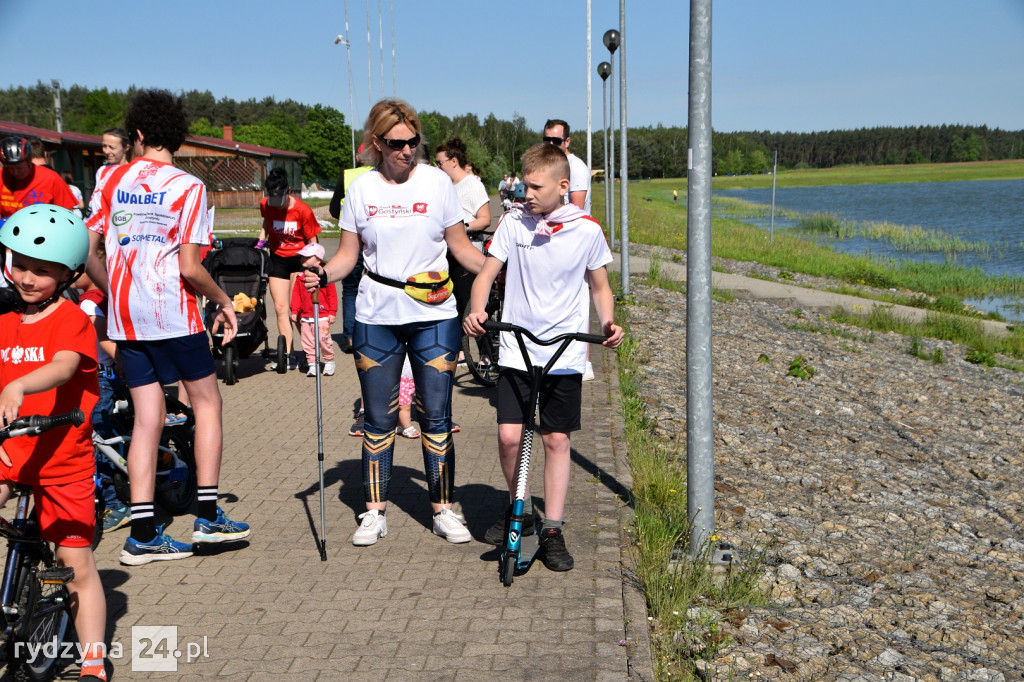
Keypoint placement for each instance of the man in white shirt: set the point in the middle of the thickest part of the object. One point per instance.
(556, 132)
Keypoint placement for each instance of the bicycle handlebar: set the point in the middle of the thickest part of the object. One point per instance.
(36, 424)
(492, 325)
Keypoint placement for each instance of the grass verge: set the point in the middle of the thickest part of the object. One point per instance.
(686, 600)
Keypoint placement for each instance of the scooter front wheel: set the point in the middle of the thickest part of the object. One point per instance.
(508, 567)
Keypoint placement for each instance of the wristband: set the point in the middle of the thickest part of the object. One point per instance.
(261, 243)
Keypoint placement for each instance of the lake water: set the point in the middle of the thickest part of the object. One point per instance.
(990, 211)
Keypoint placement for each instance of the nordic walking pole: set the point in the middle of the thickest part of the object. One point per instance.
(315, 295)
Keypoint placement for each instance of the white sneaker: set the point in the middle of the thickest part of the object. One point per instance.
(329, 369)
(588, 374)
(312, 370)
(448, 525)
(373, 526)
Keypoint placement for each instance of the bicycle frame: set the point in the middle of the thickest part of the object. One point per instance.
(30, 594)
(119, 460)
(518, 552)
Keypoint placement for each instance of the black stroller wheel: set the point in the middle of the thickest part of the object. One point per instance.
(175, 488)
(282, 355)
(230, 358)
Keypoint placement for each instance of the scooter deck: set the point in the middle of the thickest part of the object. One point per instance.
(528, 548)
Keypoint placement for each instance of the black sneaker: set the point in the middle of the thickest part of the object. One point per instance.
(497, 533)
(552, 550)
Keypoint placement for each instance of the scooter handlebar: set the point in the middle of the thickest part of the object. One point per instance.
(492, 325)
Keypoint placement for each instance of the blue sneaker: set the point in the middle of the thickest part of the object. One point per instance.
(161, 548)
(222, 529)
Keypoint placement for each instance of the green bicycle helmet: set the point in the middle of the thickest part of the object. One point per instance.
(50, 233)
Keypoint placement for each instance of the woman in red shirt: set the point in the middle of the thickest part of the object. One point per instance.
(288, 225)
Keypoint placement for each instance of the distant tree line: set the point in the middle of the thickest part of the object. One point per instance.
(495, 145)
(661, 152)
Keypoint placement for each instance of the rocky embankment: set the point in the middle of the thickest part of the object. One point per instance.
(892, 487)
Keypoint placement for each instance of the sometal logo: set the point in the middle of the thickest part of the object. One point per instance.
(123, 239)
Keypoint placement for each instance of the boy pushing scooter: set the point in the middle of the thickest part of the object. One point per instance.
(551, 250)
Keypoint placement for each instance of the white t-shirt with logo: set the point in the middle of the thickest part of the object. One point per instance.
(402, 230)
(579, 179)
(146, 212)
(544, 282)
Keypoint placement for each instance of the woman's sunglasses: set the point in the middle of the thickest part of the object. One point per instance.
(399, 145)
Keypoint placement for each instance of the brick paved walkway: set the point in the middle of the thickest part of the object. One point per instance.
(411, 607)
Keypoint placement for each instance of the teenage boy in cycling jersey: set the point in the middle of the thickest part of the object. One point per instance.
(152, 217)
(48, 352)
(551, 249)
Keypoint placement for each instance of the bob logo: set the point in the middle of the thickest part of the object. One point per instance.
(121, 218)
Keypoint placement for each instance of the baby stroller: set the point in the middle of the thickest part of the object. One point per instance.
(239, 267)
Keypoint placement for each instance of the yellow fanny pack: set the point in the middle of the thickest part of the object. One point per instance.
(428, 287)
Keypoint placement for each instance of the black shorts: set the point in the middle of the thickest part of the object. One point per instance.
(560, 399)
(282, 267)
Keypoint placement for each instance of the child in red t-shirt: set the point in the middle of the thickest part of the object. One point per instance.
(302, 314)
(48, 366)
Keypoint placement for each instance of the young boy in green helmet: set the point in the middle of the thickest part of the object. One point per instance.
(48, 366)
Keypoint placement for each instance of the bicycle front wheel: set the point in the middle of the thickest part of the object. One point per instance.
(46, 622)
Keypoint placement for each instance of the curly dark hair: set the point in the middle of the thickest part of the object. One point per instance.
(160, 117)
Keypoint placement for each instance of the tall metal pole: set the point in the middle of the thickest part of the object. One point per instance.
(57, 111)
(590, 99)
(351, 100)
(700, 468)
(604, 69)
(394, 78)
(611, 41)
(623, 154)
(380, 39)
(369, 71)
(775, 174)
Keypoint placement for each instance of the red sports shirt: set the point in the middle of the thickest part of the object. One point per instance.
(63, 454)
(288, 230)
(43, 187)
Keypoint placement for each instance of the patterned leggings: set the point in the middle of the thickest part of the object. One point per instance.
(380, 351)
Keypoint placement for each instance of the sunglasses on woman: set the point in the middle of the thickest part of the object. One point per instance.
(399, 145)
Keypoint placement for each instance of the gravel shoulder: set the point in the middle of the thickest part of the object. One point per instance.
(890, 486)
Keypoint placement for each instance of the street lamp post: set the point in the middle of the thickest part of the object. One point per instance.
(604, 69)
(340, 40)
(611, 41)
(623, 154)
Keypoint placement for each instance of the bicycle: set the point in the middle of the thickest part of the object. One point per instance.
(519, 552)
(175, 487)
(36, 609)
(482, 352)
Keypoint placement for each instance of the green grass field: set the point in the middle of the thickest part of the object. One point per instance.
(875, 175)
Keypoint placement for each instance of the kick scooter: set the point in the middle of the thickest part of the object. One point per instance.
(519, 552)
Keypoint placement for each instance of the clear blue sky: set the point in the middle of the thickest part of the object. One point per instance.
(800, 65)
